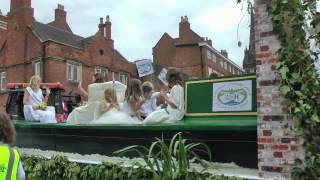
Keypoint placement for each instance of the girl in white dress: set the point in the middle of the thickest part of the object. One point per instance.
(110, 111)
(175, 109)
(150, 96)
(133, 99)
(32, 101)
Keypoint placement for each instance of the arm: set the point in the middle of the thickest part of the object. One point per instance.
(116, 106)
(21, 173)
(82, 90)
(169, 101)
(104, 107)
(25, 97)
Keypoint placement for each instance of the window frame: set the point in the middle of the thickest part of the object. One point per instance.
(3, 80)
(103, 70)
(126, 75)
(209, 55)
(37, 66)
(73, 66)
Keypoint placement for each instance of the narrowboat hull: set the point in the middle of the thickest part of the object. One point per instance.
(231, 139)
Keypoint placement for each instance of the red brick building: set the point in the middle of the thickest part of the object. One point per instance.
(193, 54)
(54, 52)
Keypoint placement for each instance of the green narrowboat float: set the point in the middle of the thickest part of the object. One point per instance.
(220, 112)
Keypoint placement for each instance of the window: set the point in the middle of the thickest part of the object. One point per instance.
(225, 65)
(123, 78)
(208, 54)
(221, 63)
(37, 68)
(3, 25)
(2, 81)
(214, 58)
(233, 70)
(230, 68)
(103, 71)
(74, 71)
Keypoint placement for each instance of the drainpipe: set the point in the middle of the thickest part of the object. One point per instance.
(202, 62)
(43, 62)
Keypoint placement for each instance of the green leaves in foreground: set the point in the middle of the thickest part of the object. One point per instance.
(169, 161)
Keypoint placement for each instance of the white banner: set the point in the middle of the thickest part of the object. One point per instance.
(232, 96)
(144, 67)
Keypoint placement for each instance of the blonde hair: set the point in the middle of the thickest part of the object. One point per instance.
(134, 90)
(110, 92)
(147, 87)
(34, 81)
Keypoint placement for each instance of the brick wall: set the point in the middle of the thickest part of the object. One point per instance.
(279, 149)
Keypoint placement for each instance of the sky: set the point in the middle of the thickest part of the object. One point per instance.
(137, 25)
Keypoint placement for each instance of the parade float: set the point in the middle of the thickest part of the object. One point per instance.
(220, 112)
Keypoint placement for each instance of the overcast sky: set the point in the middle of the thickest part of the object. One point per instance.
(137, 25)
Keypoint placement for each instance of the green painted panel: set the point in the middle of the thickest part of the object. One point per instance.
(240, 123)
(199, 95)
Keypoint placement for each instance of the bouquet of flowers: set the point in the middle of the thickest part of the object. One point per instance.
(43, 106)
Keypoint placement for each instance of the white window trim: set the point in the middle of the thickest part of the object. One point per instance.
(103, 70)
(214, 57)
(209, 56)
(3, 25)
(3, 80)
(126, 78)
(79, 71)
(37, 69)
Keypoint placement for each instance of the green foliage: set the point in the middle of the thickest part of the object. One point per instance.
(58, 167)
(300, 86)
(169, 162)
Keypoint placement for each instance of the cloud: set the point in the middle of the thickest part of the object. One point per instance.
(137, 25)
(220, 19)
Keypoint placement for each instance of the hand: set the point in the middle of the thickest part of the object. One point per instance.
(47, 91)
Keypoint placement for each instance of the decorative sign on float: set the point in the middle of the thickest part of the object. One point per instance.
(232, 96)
(221, 96)
(144, 67)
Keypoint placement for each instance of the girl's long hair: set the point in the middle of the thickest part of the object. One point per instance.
(134, 90)
(110, 92)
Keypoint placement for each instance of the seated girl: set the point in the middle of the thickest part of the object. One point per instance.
(175, 109)
(133, 99)
(110, 111)
(150, 97)
(35, 105)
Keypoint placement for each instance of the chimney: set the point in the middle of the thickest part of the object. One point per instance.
(18, 4)
(108, 28)
(22, 12)
(209, 41)
(101, 26)
(184, 26)
(60, 14)
(224, 53)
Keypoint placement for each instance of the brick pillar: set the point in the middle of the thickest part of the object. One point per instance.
(279, 149)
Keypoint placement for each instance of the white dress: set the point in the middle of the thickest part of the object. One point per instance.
(169, 114)
(35, 98)
(113, 116)
(150, 104)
